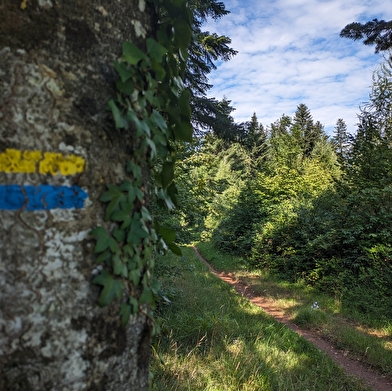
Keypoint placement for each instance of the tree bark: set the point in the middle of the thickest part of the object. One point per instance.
(58, 149)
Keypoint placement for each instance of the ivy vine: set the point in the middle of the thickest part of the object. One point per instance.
(152, 102)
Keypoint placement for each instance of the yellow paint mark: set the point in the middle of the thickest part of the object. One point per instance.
(14, 160)
(53, 163)
(23, 5)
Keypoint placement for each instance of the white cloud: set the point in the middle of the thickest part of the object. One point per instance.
(290, 52)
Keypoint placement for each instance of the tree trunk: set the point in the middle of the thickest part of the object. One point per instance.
(58, 149)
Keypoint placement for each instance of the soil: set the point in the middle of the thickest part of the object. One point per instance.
(355, 368)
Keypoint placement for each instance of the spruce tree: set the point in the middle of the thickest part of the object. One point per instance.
(341, 139)
(304, 130)
(206, 48)
(376, 32)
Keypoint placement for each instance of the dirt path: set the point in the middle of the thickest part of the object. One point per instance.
(351, 367)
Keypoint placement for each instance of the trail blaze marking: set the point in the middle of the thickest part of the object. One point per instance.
(16, 161)
(41, 197)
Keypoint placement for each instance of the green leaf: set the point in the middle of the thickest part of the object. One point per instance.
(111, 288)
(135, 169)
(119, 119)
(125, 87)
(146, 215)
(135, 305)
(172, 193)
(125, 313)
(123, 71)
(136, 232)
(158, 120)
(119, 234)
(102, 244)
(126, 223)
(167, 234)
(112, 245)
(155, 286)
(99, 232)
(184, 105)
(167, 173)
(183, 132)
(119, 215)
(119, 268)
(112, 192)
(174, 248)
(155, 50)
(104, 256)
(113, 206)
(131, 53)
(134, 277)
(146, 297)
(160, 72)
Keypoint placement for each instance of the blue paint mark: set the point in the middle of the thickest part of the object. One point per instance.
(43, 197)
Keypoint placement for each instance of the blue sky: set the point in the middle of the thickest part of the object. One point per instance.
(290, 52)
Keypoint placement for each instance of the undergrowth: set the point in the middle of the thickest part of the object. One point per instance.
(368, 339)
(213, 339)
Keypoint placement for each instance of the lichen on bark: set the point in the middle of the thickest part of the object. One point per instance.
(57, 76)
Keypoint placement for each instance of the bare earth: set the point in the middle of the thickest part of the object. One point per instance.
(352, 367)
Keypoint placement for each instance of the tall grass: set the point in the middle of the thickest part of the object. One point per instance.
(369, 340)
(212, 339)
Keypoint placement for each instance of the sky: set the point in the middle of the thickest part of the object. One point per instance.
(290, 52)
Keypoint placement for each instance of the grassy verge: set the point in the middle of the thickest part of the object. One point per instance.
(369, 340)
(212, 339)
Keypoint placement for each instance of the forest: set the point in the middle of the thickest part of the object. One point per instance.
(290, 198)
(285, 199)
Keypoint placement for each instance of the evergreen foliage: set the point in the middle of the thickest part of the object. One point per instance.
(376, 32)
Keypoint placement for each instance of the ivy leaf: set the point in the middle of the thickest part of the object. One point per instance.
(174, 248)
(160, 72)
(119, 119)
(146, 215)
(183, 132)
(114, 196)
(119, 268)
(182, 34)
(146, 296)
(123, 71)
(183, 102)
(155, 49)
(131, 53)
(111, 288)
(125, 313)
(136, 233)
(172, 193)
(155, 286)
(135, 305)
(135, 169)
(167, 234)
(134, 277)
(159, 120)
(119, 234)
(126, 87)
(104, 256)
(102, 239)
(167, 173)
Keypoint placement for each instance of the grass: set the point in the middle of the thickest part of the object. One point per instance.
(212, 339)
(369, 340)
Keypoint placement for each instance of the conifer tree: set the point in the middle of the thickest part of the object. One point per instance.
(340, 139)
(376, 32)
(205, 49)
